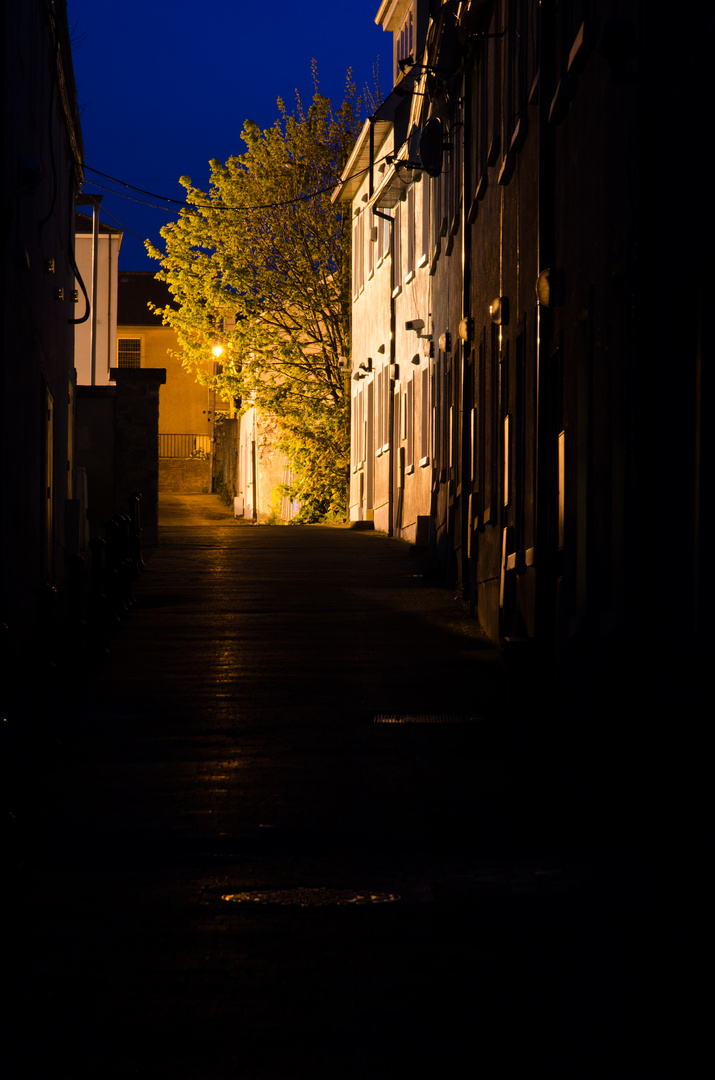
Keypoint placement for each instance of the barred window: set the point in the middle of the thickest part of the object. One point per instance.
(129, 352)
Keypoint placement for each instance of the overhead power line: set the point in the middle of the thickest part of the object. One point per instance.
(122, 225)
(211, 206)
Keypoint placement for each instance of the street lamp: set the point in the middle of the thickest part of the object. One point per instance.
(217, 351)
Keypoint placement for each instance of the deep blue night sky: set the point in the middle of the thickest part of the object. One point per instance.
(164, 87)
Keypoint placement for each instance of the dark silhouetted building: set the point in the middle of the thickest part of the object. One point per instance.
(43, 174)
(531, 337)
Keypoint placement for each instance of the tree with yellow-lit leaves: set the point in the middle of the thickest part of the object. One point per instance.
(261, 262)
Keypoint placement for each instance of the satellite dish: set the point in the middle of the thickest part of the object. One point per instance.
(432, 146)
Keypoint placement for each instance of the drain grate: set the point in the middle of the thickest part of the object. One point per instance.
(426, 718)
(302, 897)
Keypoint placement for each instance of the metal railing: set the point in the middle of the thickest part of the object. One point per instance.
(185, 446)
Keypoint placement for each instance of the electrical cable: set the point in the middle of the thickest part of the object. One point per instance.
(212, 206)
(121, 224)
(73, 260)
(124, 183)
(121, 195)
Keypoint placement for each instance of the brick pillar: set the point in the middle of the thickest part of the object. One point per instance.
(137, 444)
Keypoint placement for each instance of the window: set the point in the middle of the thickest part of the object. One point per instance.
(449, 180)
(358, 256)
(481, 438)
(424, 422)
(129, 352)
(404, 42)
(434, 397)
(410, 238)
(507, 474)
(359, 439)
(379, 409)
(457, 174)
(409, 435)
(435, 203)
(360, 427)
(562, 489)
(494, 432)
(425, 231)
(383, 238)
(397, 254)
(382, 409)
(371, 245)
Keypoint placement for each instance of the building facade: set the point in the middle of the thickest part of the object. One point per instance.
(97, 255)
(185, 406)
(262, 470)
(206, 443)
(43, 155)
(515, 267)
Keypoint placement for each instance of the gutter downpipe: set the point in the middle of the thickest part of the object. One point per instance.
(543, 592)
(96, 200)
(466, 442)
(391, 402)
(371, 184)
(109, 301)
(254, 468)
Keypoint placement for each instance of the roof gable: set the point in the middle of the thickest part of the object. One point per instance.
(137, 289)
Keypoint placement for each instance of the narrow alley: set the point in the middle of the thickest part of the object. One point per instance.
(288, 830)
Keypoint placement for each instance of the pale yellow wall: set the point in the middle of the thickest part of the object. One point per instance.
(257, 434)
(371, 338)
(106, 320)
(184, 405)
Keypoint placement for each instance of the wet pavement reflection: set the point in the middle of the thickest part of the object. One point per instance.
(235, 871)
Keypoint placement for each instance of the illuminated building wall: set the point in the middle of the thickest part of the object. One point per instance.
(515, 402)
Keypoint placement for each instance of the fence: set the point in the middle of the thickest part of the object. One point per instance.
(185, 446)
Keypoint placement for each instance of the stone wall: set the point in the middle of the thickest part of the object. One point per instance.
(184, 476)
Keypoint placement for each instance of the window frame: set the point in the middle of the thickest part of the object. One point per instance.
(126, 338)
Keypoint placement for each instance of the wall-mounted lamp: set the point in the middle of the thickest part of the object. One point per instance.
(445, 342)
(499, 311)
(549, 288)
(466, 328)
(404, 163)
